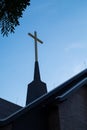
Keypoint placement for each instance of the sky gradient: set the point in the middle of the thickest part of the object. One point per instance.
(62, 26)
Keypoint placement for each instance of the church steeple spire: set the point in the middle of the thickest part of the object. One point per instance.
(36, 72)
(36, 69)
(36, 88)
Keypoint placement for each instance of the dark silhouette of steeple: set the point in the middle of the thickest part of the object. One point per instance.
(36, 88)
(36, 72)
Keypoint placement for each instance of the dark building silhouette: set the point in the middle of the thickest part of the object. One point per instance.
(36, 88)
(7, 108)
(63, 108)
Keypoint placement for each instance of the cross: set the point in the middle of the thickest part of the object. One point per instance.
(35, 40)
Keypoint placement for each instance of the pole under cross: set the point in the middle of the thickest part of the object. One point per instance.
(35, 40)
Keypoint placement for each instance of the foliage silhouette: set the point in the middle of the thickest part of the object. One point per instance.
(10, 12)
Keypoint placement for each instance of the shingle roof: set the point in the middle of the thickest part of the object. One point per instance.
(7, 108)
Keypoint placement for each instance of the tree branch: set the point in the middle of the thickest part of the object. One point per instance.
(10, 12)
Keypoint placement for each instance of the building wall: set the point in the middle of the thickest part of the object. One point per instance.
(9, 127)
(68, 115)
(73, 111)
(53, 118)
(32, 120)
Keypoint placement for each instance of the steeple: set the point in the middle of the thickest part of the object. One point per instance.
(36, 88)
(36, 68)
(36, 72)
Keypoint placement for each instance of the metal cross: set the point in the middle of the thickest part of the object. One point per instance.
(35, 40)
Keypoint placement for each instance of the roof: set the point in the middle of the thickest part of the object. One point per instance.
(7, 108)
(57, 95)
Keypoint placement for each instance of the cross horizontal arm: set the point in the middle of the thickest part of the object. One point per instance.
(35, 37)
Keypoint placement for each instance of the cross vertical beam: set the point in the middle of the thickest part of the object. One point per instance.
(35, 40)
(36, 49)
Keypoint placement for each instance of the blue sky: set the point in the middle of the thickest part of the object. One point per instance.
(62, 26)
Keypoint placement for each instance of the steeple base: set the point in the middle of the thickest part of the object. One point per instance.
(35, 90)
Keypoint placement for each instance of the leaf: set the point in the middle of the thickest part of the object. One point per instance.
(10, 12)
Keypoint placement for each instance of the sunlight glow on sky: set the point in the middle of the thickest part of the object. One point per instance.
(62, 26)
